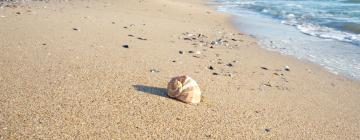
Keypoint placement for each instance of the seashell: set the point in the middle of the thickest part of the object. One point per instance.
(184, 89)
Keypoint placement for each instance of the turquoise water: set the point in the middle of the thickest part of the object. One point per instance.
(326, 32)
(332, 19)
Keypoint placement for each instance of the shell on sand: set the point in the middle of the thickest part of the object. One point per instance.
(184, 89)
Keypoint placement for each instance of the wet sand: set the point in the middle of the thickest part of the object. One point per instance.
(66, 74)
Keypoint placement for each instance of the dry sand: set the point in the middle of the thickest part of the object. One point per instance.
(65, 75)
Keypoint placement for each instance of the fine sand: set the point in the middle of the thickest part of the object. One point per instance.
(64, 74)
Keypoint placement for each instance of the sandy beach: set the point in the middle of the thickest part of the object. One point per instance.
(99, 69)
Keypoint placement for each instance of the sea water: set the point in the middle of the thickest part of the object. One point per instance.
(326, 32)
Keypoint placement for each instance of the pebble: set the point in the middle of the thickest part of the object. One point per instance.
(181, 52)
(230, 65)
(268, 84)
(267, 129)
(211, 68)
(190, 51)
(75, 29)
(264, 68)
(141, 38)
(287, 68)
(131, 35)
(154, 71)
(197, 52)
(229, 74)
(125, 46)
(18, 13)
(215, 73)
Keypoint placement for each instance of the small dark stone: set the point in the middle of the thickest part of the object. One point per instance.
(287, 68)
(187, 38)
(233, 39)
(190, 51)
(125, 27)
(211, 47)
(257, 111)
(141, 38)
(113, 22)
(268, 84)
(125, 46)
(174, 61)
(215, 73)
(154, 71)
(181, 52)
(230, 65)
(264, 68)
(178, 119)
(18, 13)
(44, 44)
(75, 29)
(267, 129)
(131, 35)
(211, 68)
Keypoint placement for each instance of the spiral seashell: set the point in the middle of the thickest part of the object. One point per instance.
(184, 89)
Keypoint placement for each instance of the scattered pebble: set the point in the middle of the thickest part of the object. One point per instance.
(287, 68)
(229, 74)
(44, 44)
(181, 52)
(197, 52)
(229, 65)
(267, 84)
(131, 35)
(18, 13)
(186, 38)
(141, 38)
(113, 22)
(174, 61)
(215, 73)
(190, 51)
(267, 129)
(154, 71)
(211, 68)
(264, 68)
(125, 46)
(75, 29)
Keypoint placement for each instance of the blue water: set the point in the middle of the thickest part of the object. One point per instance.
(326, 32)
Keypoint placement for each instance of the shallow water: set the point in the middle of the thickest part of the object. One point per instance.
(325, 32)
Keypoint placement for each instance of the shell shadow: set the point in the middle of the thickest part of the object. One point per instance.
(152, 90)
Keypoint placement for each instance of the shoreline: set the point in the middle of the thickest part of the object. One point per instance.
(307, 53)
(101, 70)
(230, 19)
